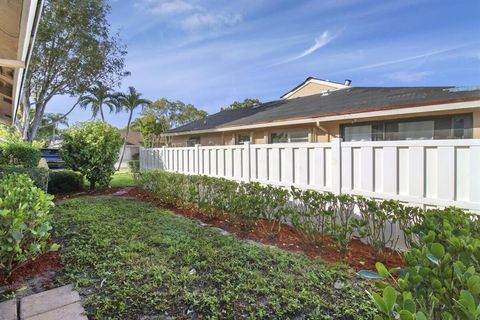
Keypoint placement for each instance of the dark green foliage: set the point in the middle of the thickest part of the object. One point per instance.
(92, 149)
(135, 261)
(64, 181)
(134, 166)
(19, 153)
(24, 221)
(441, 279)
(39, 176)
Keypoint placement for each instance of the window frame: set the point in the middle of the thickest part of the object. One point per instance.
(237, 135)
(288, 133)
(382, 136)
(189, 141)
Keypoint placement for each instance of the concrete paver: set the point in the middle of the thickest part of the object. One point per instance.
(59, 303)
(8, 310)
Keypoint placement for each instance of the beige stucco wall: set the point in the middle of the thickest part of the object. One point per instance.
(324, 132)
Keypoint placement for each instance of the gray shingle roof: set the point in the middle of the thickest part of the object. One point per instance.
(343, 101)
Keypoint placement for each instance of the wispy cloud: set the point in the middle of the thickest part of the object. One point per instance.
(209, 20)
(172, 7)
(321, 41)
(406, 59)
(325, 38)
(406, 76)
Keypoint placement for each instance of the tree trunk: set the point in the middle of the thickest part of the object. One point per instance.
(101, 114)
(62, 117)
(39, 110)
(125, 141)
(92, 184)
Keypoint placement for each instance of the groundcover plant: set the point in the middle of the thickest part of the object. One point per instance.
(129, 260)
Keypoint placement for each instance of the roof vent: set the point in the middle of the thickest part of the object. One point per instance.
(347, 82)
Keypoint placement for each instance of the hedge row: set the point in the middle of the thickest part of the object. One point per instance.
(39, 176)
(316, 215)
(19, 153)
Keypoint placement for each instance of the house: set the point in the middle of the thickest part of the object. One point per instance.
(18, 26)
(319, 110)
(132, 149)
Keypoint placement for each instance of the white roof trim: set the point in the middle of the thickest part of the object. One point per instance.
(367, 114)
(316, 81)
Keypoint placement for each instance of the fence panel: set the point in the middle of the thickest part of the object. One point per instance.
(420, 172)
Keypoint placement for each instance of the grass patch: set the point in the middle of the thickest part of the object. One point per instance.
(120, 179)
(132, 260)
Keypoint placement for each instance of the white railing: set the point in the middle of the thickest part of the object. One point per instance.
(420, 172)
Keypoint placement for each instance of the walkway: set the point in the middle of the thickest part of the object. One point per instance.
(56, 304)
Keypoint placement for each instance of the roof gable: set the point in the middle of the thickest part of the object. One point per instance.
(312, 86)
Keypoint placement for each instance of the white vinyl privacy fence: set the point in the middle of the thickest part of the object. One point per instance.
(420, 172)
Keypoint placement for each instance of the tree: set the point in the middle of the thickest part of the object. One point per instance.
(96, 97)
(48, 129)
(247, 103)
(151, 125)
(178, 113)
(92, 149)
(74, 48)
(129, 102)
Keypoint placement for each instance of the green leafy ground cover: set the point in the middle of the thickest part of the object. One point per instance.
(131, 260)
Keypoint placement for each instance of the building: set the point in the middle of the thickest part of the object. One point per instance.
(319, 110)
(18, 22)
(132, 148)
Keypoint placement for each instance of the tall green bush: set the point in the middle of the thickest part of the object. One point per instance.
(24, 221)
(92, 148)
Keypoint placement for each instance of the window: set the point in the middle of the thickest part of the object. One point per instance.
(290, 136)
(442, 127)
(242, 137)
(192, 141)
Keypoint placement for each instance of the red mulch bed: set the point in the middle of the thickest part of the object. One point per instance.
(49, 261)
(359, 256)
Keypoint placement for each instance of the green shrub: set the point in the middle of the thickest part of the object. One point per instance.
(134, 166)
(39, 176)
(92, 148)
(314, 214)
(64, 181)
(19, 153)
(24, 221)
(441, 279)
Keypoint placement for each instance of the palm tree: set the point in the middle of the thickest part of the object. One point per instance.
(54, 119)
(129, 102)
(96, 98)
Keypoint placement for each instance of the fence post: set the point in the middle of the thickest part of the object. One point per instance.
(163, 158)
(197, 158)
(247, 173)
(336, 165)
(140, 158)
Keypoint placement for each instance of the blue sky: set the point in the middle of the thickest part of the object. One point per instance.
(210, 53)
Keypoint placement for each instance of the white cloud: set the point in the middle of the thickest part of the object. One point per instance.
(321, 41)
(172, 7)
(404, 76)
(209, 20)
